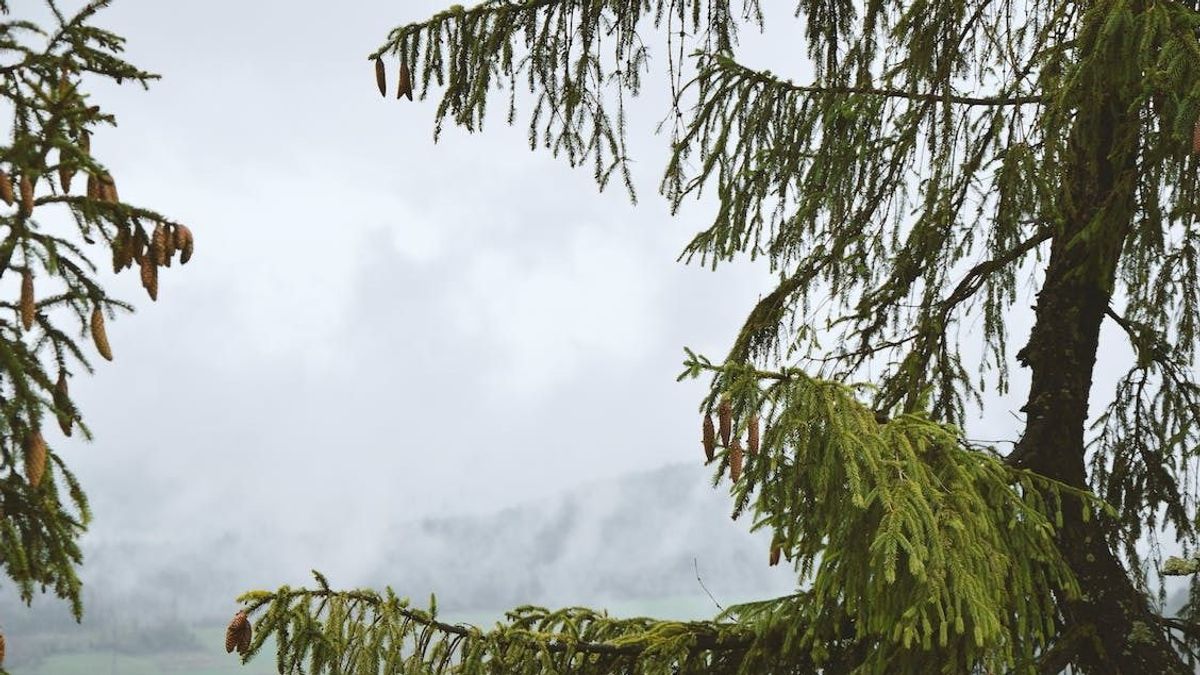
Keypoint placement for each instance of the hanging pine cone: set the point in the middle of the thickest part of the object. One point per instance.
(93, 188)
(709, 438)
(735, 460)
(62, 401)
(158, 244)
(753, 435)
(237, 635)
(26, 195)
(65, 174)
(1, 650)
(99, 336)
(776, 550)
(243, 645)
(405, 86)
(108, 189)
(169, 246)
(140, 242)
(725, 418)
(183, 242)
(6, 189)
(150, 277)
(381, 76)
(27, 304)
(35, 458)
(121, 250)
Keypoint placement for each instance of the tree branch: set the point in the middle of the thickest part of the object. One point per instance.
(765, 77)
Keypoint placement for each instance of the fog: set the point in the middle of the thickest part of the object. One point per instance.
(384, 348)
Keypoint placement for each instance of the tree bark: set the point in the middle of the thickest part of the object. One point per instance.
(1098, 191)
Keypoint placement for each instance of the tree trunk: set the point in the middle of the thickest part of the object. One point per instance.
(1112, 621)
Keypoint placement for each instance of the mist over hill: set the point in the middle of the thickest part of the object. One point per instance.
(619, 541)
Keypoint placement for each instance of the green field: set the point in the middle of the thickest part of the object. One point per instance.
(210, 658)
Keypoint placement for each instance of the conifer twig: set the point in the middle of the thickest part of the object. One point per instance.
(696, 566)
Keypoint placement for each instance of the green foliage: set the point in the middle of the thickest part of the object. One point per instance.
(44, 71)
(938, 148)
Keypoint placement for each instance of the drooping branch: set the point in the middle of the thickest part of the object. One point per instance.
(765, 77)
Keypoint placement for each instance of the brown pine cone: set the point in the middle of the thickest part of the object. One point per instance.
(183, 242)
(99, 336)
(709, 438)
(35, 458)
(139, 244)
(26, 184)
(65, 174)
(108, 189)
(6, 189)
(158, 244)
(150, 277)
(381, 76)
(27, 304)
(62, 401)
(237, 635)
(725, 418)
(405, 87)
(735, 460)
(753, 435)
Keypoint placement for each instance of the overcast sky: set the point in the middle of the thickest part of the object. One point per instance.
(375, 327)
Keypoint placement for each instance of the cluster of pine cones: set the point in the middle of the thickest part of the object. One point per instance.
(151, 251)
(709, 439)
(237, 635)
(404, 87)
(25, 185)
(725, 419)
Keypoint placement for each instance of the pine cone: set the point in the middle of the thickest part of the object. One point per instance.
(6, 189)
(35, 458)
(725, 417)
(238, 633)
(65, 174)
(26, 195)
(27, 304)
(85, 142)
(120, 249)
(62, 401)
(170, 246)
(753, 435)
(93, 188)
(150, 277)
(710, 438)
(140, 242)
(158, 245)
(243, 645)
(381, 76)
(735, 460)
(184, 242)
(108, 189)
(775, 551)
(1, 649)
(98, 335)
(405, 86)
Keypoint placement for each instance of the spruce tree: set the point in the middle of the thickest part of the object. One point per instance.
(59, 205)
(942, 152)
